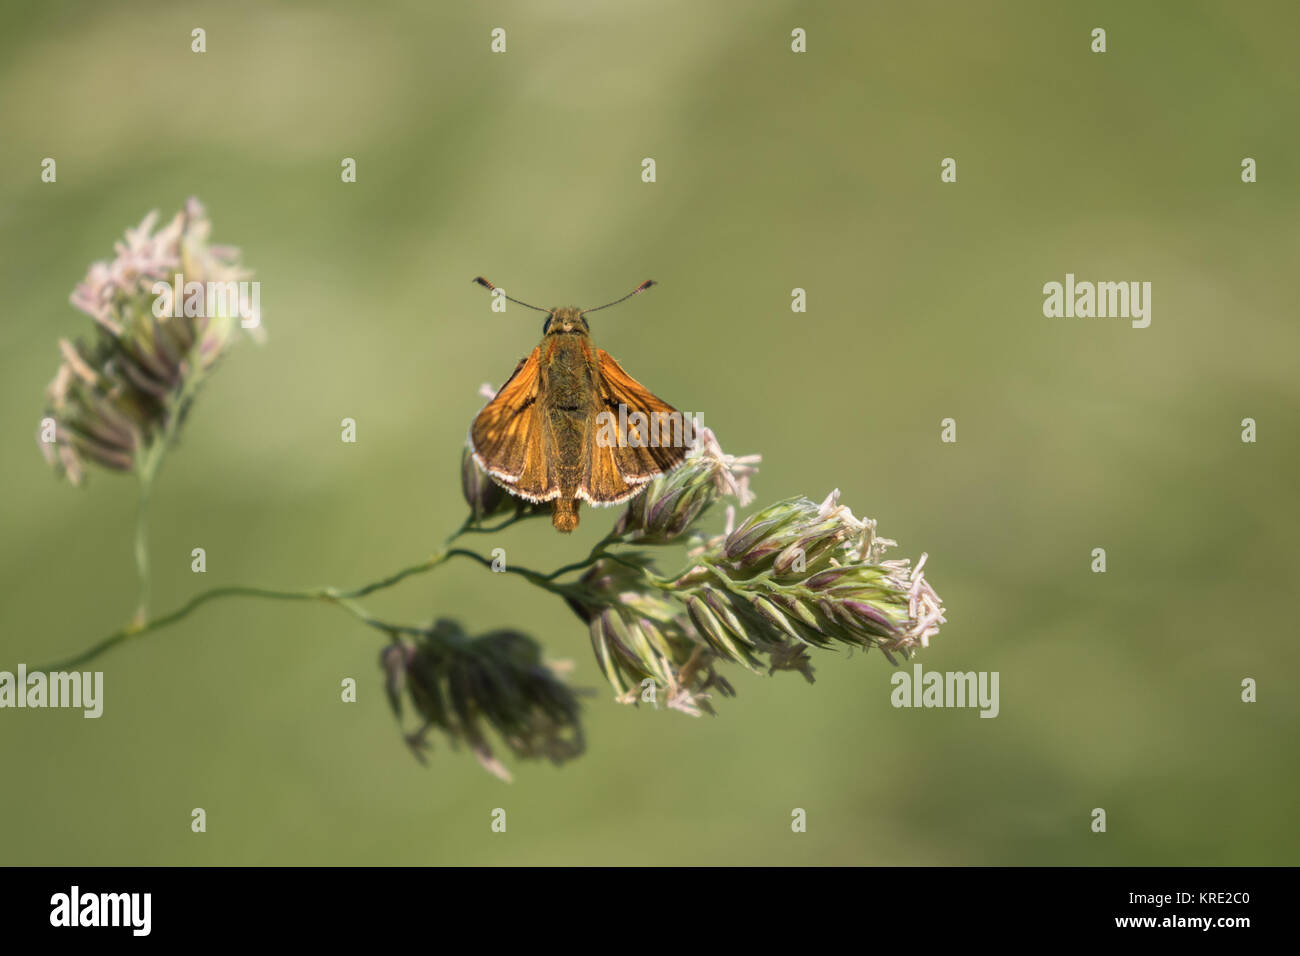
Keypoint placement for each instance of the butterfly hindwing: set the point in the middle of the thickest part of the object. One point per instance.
(509, 436)
(604, 484)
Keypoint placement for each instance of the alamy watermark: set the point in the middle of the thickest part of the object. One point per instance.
(56, 689)
(1101, 300)
(637, 429)
(210, 299)
(946, 689)
(75, 908)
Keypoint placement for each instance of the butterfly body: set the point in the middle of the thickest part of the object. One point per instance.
(545, 435)
(568, 374)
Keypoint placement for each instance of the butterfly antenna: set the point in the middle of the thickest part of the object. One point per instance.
(641, 288)
(488, 285)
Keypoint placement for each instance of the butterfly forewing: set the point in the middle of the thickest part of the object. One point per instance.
(510, 438)
(652, 445)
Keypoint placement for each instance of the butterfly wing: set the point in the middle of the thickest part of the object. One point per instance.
(656, 439)
(604, 484)
(509, 437)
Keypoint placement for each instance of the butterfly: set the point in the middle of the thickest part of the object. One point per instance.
(570, 425)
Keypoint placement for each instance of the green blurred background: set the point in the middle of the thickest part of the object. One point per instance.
(775, 171)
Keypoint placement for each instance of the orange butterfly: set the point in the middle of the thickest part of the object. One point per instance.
(569, 424)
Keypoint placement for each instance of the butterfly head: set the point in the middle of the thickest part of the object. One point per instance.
(565, 321)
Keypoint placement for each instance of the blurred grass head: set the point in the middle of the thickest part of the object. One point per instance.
(121, 395)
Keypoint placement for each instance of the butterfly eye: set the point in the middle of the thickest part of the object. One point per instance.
(546, 325)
